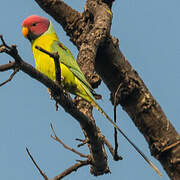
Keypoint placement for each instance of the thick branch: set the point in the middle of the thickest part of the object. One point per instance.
(86, 56)
(138, 102)
(6, 67)
(96, 36)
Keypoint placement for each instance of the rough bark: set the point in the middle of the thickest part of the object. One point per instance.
(137, 101)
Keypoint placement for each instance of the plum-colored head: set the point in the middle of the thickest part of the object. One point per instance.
(34, 26)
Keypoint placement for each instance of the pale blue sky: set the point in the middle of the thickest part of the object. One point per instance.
(149, 37)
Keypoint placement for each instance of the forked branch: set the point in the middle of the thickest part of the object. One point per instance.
(10, 78)
(55, 137)
(69, 170)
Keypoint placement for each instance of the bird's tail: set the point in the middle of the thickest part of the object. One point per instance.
(125, 136)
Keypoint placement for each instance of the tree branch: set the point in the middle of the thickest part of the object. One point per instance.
(75, 167)
(115, 130)
(65, 146)
(10, 78)
(6, 67)
(140, 105)
(34, 162)
(113, 152)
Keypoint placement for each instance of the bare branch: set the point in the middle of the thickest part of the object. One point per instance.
(65, 146)
(115, 130)
(85, 141)
(10, 78)
(112, 151)
(34, 162)
(3, 42)
(6, 67)
(75, 167)
(93, 39)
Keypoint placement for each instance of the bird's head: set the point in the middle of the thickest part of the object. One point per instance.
(34, 26)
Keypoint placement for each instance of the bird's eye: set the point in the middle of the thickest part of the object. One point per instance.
(34, 24)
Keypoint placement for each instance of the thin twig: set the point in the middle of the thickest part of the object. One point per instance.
(56, 105)
(80, 140)
(3, 42)
(12, 51)
(171, 146)
(57, 67)
(65, 146)
(75, 167)
(116, 156)
(10, 78)
(112, 151)
(85, 141)
(40, 171)
(44, 51)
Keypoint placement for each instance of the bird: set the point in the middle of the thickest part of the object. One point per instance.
(40, 32)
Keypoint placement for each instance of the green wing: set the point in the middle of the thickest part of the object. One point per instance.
(67, 59)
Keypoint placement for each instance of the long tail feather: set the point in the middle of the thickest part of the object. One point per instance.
(125, 136)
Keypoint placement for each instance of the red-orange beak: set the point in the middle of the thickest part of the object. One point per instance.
(25, 31)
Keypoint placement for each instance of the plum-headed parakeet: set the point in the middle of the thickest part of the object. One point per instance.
(40, 32)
